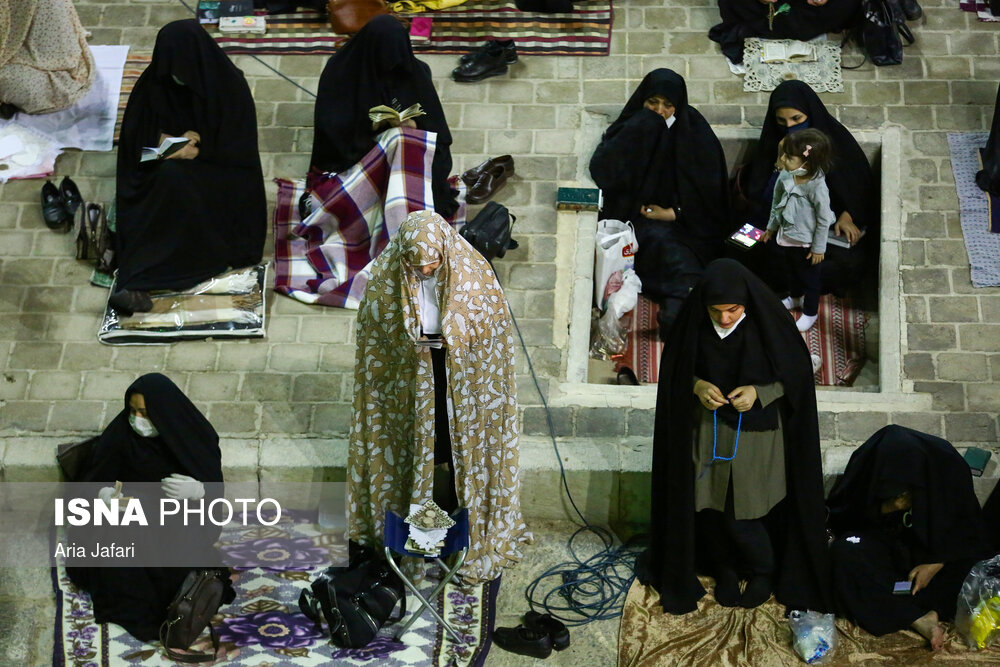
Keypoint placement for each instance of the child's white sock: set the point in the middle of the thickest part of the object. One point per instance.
(805, 322)
(790, 304)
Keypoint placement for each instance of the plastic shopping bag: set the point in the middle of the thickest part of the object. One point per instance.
(813, 635)
(612, 328)
(977, 614)
(615, 247)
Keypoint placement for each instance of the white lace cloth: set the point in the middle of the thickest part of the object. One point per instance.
(823, 75)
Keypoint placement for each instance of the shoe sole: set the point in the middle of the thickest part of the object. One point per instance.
(484, 75)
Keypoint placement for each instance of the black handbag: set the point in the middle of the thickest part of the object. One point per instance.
(880, 32)
(489, 232)
(73, 457)
(356, 601)
(197, 601)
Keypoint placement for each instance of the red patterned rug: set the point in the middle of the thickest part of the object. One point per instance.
(838, 338)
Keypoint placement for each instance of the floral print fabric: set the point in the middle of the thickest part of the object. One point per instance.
(391, 454)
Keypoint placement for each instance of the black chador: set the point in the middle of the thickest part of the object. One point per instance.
(377, 66)
(643, 160)
(183, 221)
(906, 499)
(764, 350)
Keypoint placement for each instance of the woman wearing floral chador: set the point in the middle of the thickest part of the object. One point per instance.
(434, 385)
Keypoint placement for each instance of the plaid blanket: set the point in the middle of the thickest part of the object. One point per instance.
(324, 259)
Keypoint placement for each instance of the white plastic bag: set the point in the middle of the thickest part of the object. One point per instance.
(977, 614)
(813, 635)
(614, 252)
(612, 328)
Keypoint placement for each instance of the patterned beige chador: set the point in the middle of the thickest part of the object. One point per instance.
(391, 456)
(45, 63)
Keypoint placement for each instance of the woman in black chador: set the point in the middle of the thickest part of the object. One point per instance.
(853, 189)
(737, 482)
(377, 66)
(187, 218)
(804, 19)
(661, 167)
(159, 438)
(905, 510)
(988, 178)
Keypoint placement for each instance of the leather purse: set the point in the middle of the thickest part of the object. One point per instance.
(197, 601)
(355, 601)
(73, 457)
(347, 17)
(880, 31)
(489, 232)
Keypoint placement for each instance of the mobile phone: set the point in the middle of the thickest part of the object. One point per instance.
(746, 237)
(902, 588)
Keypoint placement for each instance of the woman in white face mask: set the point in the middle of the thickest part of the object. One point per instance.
(159, 438)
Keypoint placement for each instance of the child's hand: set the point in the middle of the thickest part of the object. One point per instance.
(815, 257)
(766, 236)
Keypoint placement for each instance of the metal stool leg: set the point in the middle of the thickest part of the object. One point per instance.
(424, 603)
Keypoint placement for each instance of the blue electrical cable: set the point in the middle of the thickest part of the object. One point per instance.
(585, 589)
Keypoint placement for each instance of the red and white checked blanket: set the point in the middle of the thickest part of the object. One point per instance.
(324, 259)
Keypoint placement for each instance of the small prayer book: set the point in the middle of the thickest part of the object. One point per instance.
(787, 51)
(169, 146)
(394, 118)
(243, 24)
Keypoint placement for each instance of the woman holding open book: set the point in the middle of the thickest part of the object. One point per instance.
(376, 67)
(188, 215)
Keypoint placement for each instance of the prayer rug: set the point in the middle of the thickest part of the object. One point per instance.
(980, 8)
(231, 305)
(135, 65)
(823, 75)
(736, 637)
(838, 338)
(264, 626)
(976, 208)
(584, 32)
(325, 259)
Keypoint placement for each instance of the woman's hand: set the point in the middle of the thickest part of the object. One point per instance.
(766, 236)
(709, 395)
(845, 227)
(921, 575)
(654, 212)
(193, 137)
(815, 257)
(816, 3)
(189, 152)
(743, 398)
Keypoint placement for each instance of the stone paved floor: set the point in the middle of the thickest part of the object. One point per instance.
(58, 381)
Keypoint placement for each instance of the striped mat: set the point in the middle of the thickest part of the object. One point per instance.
(584, 32)
(838, 337)
(135, 65)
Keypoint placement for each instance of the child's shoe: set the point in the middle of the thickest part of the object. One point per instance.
(805, 322)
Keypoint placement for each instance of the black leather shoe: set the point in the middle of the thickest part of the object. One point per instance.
(491, 61)
(54, 209)
(522, 641)
(472, 175)
(509, 51)
(71, 195)
(7, 111)
(551, 626)
(912, 9)
(128, 302)
(488, 184)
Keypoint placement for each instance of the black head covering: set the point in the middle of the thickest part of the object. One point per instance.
(851, 182)
(641, 161)
(183, 221)
(377, 66)
(945, 510)
(186, 444)
(669, 564)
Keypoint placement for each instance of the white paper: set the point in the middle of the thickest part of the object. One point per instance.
(9, 145)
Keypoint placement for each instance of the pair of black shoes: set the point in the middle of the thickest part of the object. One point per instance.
(908, 10)
(536, 637)
(490, 59)
(59, 205)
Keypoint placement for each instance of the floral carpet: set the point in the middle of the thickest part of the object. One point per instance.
(263, 627)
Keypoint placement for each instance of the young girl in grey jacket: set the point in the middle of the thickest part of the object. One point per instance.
(801, 217)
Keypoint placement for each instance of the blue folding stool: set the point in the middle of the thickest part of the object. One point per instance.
(456, 540)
